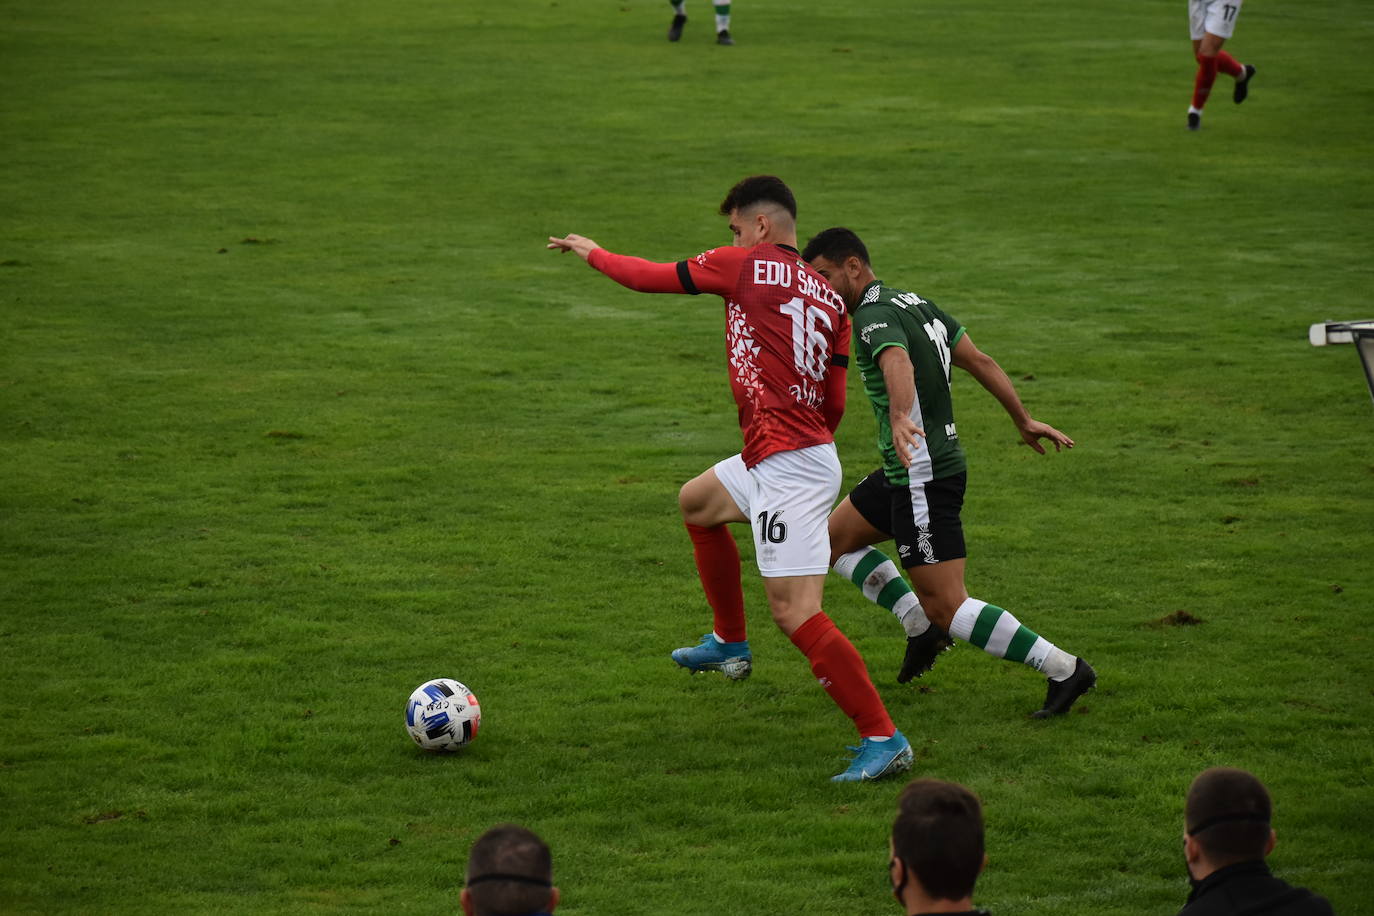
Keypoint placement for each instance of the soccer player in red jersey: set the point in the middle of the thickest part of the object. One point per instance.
(1210, 23)
(787, 340)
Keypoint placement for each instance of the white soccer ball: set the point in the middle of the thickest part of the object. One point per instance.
(442, 715)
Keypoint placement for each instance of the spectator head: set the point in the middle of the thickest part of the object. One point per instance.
(510, 873)
(1227, 820)
(937, 842)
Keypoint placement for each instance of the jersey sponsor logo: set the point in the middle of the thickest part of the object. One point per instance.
(704, 256)
(808, 394)
(949, 431)
(869, 329)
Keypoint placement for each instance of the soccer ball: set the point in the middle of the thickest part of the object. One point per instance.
(442, 715)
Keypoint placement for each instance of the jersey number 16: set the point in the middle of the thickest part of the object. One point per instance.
(810, 348)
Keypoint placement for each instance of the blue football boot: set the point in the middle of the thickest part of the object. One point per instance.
(876, 759)
(731, 659)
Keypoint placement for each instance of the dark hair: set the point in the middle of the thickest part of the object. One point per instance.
(510, 872)
(1228, 813)
(939, 835)
(759, 189)
(836, 244)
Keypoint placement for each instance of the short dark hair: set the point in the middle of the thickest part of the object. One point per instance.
(1228, 813)
(837, 245)
(939, 835)
(758, 189)
(510, 872)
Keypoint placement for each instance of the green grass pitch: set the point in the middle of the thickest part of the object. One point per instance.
(296, 413)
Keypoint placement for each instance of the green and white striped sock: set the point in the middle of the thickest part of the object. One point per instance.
(880, 581)
(722, 17)
(998, 633)
(679, 6)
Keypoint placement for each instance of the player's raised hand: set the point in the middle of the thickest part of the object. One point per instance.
(1032, 431)
(906, 438)
(580, 244)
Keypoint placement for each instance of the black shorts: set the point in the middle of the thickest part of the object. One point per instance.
(923, 519)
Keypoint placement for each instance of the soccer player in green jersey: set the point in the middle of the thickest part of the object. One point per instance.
(904, 347)
(722, 21)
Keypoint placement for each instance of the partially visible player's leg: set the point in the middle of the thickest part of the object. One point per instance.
(1229, 65)
(931, 538)
(1210, 24)
(1202, 88)
(707, 508)
(1205, 53)
(990, 628)
(839, 669)
(717, 562)
(997, 632)
(853, 557)
(679, 19)
(852, 532)
(790, 515)
(874, 573)
(723, 24)
(837, 665)
(1247, 73)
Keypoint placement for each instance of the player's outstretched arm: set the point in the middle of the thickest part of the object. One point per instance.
(991, 376)
(633, 273)
(578, 243)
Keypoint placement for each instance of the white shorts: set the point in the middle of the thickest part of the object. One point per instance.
(787, 498)
(1215, 16)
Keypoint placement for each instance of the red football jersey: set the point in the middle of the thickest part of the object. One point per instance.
(784, 327)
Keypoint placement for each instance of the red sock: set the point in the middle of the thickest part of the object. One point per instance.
(718, 566)
(1206, 76)
(840, 669)
(1229, 65)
